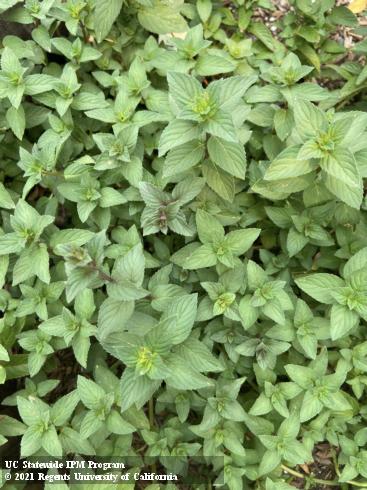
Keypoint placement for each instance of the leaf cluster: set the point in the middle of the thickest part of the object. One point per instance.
(183, 251)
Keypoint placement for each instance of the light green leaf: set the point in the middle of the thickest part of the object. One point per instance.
(221, 182)
(16, 120)
(286, 165)
(342, 177)
(161, 18)
(51, 443)
(6, 201)
(179, 318)
(183, 377)
(269, 462)
(90, 393)
(105, 14)
(309, 119)
(239, 241)
(228, 156)
(178, 132)
(342, 320)
(318, 286)
(183, 158)
(203, 256)
(311, 406)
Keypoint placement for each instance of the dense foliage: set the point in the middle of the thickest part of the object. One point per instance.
(159, 298)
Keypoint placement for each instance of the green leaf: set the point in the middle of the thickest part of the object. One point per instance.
(105, 14)
(357, 262)
(262, 406)
(7, 4)
(228, 92)
(220, 182)
(90, 425)
(342, 177)
(24, 267)
(136, 390)
(16, 120)
(90, 393)
(183, 88)
(51, 443)
(283, 123)
(248, 313)
(183, 377)
(10, 243)
(198, 356)
(64, 407)
(228, 156)
(10, 426)
(287, 165)
(177, 133)
(6, 201)
(161, 18)
(183, 255)
(318, 286)
(209, 228)
(349, 473)
(277, 485)
(203, 256)
(269, 462)
(311, 406)
(31, 441)
(128, 274)
(42, 37)
(309, 119)
(10, 62)
(213, 64)
(75, 236)
(204, 8)
(343, 15)
(117, 425)
(239, 241)
(36, 84)
(112, 314)
(183, 158)
(221, 125)
(31, 411)
(295, 242)
(260, 30)
(342, 320)
(178, 319)
(111, 197)
(232, 410)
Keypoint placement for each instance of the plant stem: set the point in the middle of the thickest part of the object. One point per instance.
(152, 425)
(105, 277)
(347, 98)
(151, 414)
(253, 385)
(53, 173)
(315, 480)
(322, 482)
(292, 472)
(85, 34)
(335, 461)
